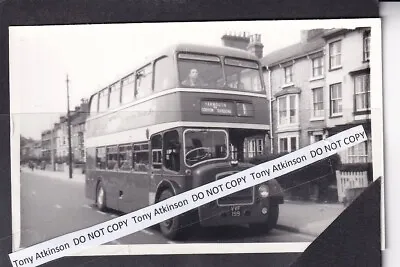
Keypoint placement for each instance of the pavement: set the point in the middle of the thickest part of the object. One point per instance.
(295, 216)
(77, 175)
(310, 218)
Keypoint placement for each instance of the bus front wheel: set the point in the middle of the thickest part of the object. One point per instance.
(100, 197)
(170, 228)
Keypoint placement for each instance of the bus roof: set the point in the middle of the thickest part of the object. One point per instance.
(214, 50)
(187, 47)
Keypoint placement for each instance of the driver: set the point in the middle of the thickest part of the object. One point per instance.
(196, 143)
(193, 79)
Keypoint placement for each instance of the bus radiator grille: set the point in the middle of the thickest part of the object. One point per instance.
(244, 196)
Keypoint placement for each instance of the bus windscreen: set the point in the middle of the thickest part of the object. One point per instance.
(202, 145)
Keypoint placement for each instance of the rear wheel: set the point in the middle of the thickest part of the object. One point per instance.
(270, 223)
(171, 228)
(101, 197)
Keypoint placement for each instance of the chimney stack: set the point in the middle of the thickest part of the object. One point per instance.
(255, 45)
(307, 35)
(239, 40)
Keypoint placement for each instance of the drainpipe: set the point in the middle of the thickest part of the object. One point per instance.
(271, 135)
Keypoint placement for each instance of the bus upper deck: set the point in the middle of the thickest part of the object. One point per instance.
(184, 85)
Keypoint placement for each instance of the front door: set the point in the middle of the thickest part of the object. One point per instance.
(156, 171)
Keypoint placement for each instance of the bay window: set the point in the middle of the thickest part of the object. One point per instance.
(362, 92)
(288, 110)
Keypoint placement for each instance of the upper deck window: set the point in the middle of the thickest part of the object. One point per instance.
(128, 89)
(243, 75)
(144, 80)
(163, 74)
(200, 71)
(205, 71)
(103, 100)
(94, 103)
(115, 95)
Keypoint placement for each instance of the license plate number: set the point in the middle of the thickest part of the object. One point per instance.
(235, 211)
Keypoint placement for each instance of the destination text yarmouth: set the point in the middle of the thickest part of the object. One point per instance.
(127, 224)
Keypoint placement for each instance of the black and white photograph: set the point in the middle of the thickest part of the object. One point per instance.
(111, 118)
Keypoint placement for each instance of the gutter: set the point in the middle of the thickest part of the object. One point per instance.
(271, 135)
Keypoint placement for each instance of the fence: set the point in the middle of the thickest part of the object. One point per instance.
(349, 180)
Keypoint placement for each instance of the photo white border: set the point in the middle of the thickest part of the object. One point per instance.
(217, 248)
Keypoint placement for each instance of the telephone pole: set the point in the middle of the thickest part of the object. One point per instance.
(69, 132)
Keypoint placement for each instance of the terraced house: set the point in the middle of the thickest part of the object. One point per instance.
(318, 87)
(348, 101)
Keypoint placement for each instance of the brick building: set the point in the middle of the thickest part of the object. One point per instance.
(319, 87)
(56, 139)
(295, 78)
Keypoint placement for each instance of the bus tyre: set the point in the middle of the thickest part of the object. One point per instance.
(270, 223)
(100, 197)
(170, 228)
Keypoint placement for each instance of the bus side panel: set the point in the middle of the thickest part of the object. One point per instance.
(135, 191)
(90, 172)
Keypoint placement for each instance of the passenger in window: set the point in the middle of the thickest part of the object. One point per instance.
(193, 79)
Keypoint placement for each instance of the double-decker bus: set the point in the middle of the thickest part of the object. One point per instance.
(177, 122)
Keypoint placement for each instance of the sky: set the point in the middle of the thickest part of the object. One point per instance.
(94, 56)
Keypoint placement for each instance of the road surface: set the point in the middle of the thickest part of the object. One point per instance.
(53, 207)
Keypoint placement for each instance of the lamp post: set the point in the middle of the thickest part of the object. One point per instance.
(69, 132)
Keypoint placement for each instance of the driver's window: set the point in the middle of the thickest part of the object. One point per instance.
(156, 151)
(172, 151)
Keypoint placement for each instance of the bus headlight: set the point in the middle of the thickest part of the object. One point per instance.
(263, 191)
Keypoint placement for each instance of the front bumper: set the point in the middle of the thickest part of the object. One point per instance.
(212, 214)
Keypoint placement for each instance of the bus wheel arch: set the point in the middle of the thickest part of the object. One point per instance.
(174, 228)
(101, 198)
(165, 185)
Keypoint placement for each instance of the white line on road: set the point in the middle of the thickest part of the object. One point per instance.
(101, 212)
(58, 206)
(147, 232)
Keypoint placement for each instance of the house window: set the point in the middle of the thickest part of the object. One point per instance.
(317, 67)
(255, 147)
(358, 153)
(287, 109)
(287, 144)
(336, 99)
(367, 45)
(318, 102)
(335, 50)
(362, 92)
(288, 74)
(260, 146)
(316, 137)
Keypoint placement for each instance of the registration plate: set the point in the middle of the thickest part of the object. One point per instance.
(235, 211)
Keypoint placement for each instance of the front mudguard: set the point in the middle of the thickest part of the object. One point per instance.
(275, 191)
